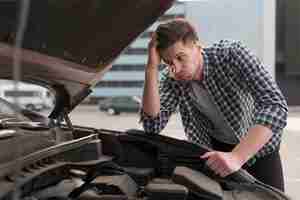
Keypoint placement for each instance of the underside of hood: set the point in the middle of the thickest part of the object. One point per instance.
(69, 45)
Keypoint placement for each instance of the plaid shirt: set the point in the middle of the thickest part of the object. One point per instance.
(242, 90)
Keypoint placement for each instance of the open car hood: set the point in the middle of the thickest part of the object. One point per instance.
(69, 45)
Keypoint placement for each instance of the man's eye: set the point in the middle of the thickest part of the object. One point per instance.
(180, 58)
(164, 62)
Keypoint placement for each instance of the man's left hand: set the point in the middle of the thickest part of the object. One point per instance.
(222, 163)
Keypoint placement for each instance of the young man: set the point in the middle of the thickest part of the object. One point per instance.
(226, 98)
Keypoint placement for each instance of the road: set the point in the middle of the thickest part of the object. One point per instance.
(290, 147)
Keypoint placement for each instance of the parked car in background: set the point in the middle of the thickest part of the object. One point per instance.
(29, 96)
(116, 105)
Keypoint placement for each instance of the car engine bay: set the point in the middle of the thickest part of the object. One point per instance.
(87, 163)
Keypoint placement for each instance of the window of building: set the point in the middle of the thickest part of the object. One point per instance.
(118, 84)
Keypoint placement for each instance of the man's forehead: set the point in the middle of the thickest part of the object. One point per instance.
(173, 50)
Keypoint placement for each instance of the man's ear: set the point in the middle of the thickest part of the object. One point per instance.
(198, 43)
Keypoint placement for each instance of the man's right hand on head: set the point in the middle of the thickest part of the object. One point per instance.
(154, 58)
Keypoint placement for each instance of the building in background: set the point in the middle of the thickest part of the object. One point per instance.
(250, 21)
(126, 78)
(288, 49)
(271, 29)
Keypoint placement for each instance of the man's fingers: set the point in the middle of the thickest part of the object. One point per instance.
(226, 173)
(219, 169)
(215, 164)
(153, 34)
(206, 155)
(210, 160)
(153, 37)
(220, 163)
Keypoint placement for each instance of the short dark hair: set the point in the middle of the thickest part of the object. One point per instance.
(172, 31)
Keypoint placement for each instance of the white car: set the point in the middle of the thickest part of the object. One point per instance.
(29, 96)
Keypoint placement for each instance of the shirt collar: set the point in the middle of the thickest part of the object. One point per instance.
(206, 66)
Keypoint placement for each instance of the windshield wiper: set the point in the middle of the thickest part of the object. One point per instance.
(7, 119)
(24, 125)
(7, 133)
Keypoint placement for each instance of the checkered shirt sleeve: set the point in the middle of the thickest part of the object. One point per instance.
(168, 105)
(271, 106)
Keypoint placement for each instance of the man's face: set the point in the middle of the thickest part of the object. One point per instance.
(184, 60)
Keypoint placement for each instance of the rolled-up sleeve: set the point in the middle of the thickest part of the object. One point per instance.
(270, 105)
(168, 105)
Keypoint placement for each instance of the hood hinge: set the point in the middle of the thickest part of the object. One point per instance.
(66, 117)
(63, 116)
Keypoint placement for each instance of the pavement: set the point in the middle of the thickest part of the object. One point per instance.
(290, 153)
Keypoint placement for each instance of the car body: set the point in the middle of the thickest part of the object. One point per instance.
(118, 104)
(67, 46)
